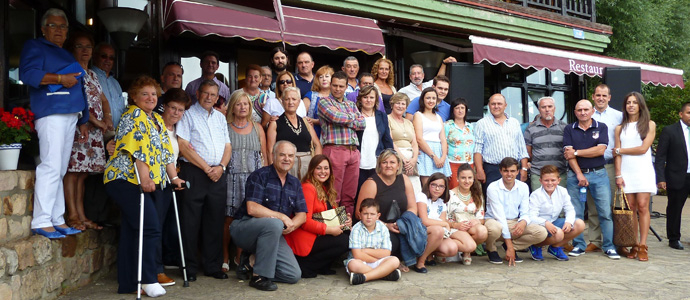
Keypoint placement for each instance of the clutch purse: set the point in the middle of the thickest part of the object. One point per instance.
(332, 217)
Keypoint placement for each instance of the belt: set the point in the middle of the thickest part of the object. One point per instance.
(588, 170)
(346, 147)
(610, 161)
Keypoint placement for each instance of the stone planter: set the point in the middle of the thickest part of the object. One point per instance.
(9, 156)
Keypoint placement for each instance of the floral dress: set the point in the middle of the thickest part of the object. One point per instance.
(460, 142)
(90, 156)
(137, 136)
(459, 211)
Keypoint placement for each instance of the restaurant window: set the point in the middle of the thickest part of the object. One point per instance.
(192, 70)
(22, 21)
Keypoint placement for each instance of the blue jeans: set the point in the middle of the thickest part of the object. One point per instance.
(600, 190)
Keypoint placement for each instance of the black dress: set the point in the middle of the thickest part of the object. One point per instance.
(298, 135)
(385, 194)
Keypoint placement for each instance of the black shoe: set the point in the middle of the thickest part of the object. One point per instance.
(676, 245)
(327, 272)
(218, 275)
(494, 258)
(422, 270)
(393, 276)
(244, 270)
(517, 258)
(430, 263)
(191, 278)
(308, 274)
(262, 283)
(357, 278)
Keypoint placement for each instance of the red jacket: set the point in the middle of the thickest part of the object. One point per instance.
(302, 239)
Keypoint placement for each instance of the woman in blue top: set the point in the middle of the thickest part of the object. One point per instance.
(59, 103)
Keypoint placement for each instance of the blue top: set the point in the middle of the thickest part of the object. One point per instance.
(38, 58)
(113, 92)
(576, 137)
(443, 108)
(303, 85)
(264, 187)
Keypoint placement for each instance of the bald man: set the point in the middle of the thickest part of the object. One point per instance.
(584, 144)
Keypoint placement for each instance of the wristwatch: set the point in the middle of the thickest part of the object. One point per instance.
(524, 169)
(222, 166)
(575, 153)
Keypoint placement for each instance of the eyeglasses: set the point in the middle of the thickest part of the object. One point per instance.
(106, 56)
(174, 109)
(288, 81)
(54, 26)
(437, 186)
(80, 46)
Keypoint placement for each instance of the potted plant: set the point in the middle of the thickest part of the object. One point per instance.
(15, 128)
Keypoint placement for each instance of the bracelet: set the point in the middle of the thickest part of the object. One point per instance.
(173, 179)
(619, 176)
(59, 78)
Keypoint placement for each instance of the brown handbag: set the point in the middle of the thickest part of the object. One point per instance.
(624, 221)
(332, 217)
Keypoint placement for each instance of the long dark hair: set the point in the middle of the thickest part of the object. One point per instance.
(642, 119)
(476, 188)
(422, 108)
(434, 177)
(324, 191)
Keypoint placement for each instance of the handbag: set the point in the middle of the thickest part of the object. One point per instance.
(393, 212)
(624, 221)
(332, 217)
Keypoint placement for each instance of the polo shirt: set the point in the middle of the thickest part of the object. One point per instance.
(577, 138)
(612, 118)
(547, 145)
(443, 108)
(264, 187)
(303, 85)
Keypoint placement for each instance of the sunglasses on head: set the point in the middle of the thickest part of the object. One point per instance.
(288, 81)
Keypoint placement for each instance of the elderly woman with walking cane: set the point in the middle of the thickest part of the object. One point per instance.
(142, 147)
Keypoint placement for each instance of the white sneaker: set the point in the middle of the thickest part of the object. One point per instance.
(612, 254)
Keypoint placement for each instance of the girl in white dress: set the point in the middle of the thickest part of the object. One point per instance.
(466, 212)
(633, 162)
(431, 207)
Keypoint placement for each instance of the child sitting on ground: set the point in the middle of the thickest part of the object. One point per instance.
(545, 205)
(370, 243)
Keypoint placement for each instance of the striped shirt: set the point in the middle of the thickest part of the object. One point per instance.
(361, 238)
(207, 133)
(612, 118)
(496, 142)
(339, 121)
(547, 145)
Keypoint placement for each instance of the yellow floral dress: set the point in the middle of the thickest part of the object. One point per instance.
(138, 137)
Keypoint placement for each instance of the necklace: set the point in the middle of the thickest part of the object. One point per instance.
(462, 197)
(238, 127)
(368, 115)
(297, 130)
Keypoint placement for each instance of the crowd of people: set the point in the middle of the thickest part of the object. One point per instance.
(419, 183)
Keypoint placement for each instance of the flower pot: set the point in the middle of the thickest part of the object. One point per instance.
(9, 156)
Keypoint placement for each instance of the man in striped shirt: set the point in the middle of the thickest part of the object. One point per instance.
(339, 121)
(544, 141)
(498, 136)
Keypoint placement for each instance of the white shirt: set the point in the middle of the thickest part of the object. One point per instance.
(434, 209)
(496, 142)
(543, 207)
(504, 204)
(687, 140)
(370, 141)
(611, 118)
(206, 132)
(413, 92)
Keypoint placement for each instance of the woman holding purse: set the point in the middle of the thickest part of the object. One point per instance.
(315, 244)
(634, 168)
(466, 212)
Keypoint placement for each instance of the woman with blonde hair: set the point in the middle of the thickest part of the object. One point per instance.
(319, 89)
(384, 80)
(404, 138)
(274, 106)
(248, 154)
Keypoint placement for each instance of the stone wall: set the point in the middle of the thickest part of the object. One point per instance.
(34, 267)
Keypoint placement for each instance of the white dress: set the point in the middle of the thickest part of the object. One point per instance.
(637, 170)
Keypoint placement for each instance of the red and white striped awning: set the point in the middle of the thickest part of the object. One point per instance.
(528, 56)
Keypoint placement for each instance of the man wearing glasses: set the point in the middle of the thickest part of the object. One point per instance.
(103, 62)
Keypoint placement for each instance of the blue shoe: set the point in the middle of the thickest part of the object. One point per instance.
(558, 253)
(535, 252)
(50, 235)
(611, 253)
(67, 231)
(576, 252)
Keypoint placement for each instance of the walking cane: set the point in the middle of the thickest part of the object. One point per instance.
(141, 231)
(179, 233)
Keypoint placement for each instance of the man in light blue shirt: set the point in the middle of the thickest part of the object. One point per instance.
(611, 117)
(441, 84)
(103, 62)
(507, 215)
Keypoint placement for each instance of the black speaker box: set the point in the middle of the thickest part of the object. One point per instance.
(467, 81)
(621, 81)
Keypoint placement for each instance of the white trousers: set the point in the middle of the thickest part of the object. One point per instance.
(55, 138)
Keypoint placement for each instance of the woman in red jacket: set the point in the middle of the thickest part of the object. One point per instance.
(316, 245)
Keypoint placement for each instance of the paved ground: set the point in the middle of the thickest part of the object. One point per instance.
(591, 276)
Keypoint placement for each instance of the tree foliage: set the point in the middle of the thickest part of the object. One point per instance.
(656, 32)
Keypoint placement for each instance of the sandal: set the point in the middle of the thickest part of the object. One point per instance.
(225, 268)
(75, 223)
(634, 251)
(642, 254)
(88, 224)
(467, 260)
